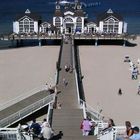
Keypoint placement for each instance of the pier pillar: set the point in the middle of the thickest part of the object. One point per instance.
(18, 43)
(124, 42)
(21, 42)
(39, 42)
(12, 43)
(96, 42)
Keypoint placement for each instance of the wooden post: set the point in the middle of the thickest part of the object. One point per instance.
(12, 43)
(39, 42)
(18, 43)
(96, 42)
(124, 42)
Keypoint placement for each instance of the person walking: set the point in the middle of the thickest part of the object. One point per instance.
(35, 128)
(120, 91)
(46, 132)
(65, 82)
(86, 127)
(138, 90)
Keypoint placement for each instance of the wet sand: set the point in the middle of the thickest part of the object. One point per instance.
(104, 73)
(25, 69)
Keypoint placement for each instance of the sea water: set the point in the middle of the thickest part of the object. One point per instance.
(129, 9)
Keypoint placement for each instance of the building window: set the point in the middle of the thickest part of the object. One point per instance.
(111, 26)
(45, 27)
(26, 25)
(91, 28)
(57, 23)
(68, 25)
(79, 24)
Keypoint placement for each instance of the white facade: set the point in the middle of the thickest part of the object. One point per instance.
(16, 27)
(70, 21)
(25, 24)
(91, 27)
(36, 26)
(112, 23)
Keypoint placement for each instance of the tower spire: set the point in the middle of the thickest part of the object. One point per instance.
(57, 5)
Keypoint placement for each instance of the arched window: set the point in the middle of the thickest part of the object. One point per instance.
(45, 27)
(79, 24)
(26, 25)
(111, 26)
(91, 28)
(68, 20)
(57, 22)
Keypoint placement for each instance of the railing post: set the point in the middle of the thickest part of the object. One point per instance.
(84, 110)
(48, 113)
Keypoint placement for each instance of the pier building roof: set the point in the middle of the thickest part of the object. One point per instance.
(109, 14)
(28, 14)
(75, 9)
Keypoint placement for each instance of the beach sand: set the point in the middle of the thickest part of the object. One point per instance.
(25, 69)
(104, 73)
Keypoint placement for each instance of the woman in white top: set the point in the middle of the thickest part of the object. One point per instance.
(46, 132)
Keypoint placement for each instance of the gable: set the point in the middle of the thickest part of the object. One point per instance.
(68, 13)
(91, 24)
(26, 17)
(111, 17)
(46, 24)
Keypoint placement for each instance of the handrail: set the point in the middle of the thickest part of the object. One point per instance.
(27, 111)
(92, 111)
(75, 73)
(22, 96)
(114, 133)
(15, 134)
(107, 136)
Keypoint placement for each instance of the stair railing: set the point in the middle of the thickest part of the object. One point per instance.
(95, 115)
(108, 135)
(23, 96)
(27, 111)
(14, 134)
(117, 132)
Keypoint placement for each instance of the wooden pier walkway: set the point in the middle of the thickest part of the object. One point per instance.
(69, 117)
(22, 104)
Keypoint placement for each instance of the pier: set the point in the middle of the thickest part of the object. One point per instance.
(19, 38)
(69, 117)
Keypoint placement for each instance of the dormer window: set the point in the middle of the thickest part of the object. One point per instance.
(57, 6)
(79, 6)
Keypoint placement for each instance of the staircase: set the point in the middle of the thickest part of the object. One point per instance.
(69, 117)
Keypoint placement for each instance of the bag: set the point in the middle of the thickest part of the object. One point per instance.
(81, 126)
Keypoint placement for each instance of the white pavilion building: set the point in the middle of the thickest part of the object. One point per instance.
(70, 19)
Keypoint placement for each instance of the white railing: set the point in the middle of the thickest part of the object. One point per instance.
(96, 115)
(14, 134)
(107, 136)
(27, 111)
(22, 96)
(75, 72)
(84, 109)
(77, 87)
(115, 133)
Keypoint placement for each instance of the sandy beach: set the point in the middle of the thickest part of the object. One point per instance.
(104, 73)
(103, 67)
(25, 69)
